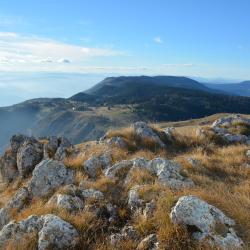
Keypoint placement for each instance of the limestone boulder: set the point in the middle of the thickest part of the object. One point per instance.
(207, 222)
(144, 132)
(52, 231)
(97, 163)
(67, 202)
(49, 175)
(29, 154)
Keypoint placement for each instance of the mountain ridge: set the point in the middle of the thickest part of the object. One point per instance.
(87, 116)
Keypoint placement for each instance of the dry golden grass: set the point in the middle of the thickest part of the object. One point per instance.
(140, 177)
(27, 242)
(221, 179)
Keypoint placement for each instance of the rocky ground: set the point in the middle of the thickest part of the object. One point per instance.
(140, 187)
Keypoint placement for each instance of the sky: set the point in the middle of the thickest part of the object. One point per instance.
(88, 39)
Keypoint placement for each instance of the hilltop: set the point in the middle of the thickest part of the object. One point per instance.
(140, 187)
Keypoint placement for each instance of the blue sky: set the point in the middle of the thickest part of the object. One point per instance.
(208, 38)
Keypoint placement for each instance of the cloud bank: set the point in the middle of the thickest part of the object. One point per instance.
(18, 52)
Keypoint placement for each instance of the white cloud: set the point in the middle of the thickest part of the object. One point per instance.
(158, 40)
(179, 65)
(18, 52)
(63, 60)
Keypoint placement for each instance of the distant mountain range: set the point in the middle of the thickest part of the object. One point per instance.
(241, 89)
(118, 101)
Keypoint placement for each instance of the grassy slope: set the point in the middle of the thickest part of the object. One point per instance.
(221, 179)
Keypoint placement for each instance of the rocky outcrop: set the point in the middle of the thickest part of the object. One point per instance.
(122, 166)
(29, 154)
(51, 147)
(57, 148)
(49, 175)
(221, 127)
(8, 167)
(206, 221)
(22, 157)
(95, 164)
(16, 141)
(167, 172)
(235, 138)
(73, 198)
(230, 120)
(64, 146)
(19, 200)
(144, 132)
(52, 231)
(8, 162)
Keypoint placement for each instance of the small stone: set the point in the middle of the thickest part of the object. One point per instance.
(148, 243)
(68, 202)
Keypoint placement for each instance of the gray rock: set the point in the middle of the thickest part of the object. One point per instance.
(91, 193)
(19, 199)
(8, 167)
(113, 212)
(53, 232)
(168, 173)
(134, 201)
(4, 217)
(51, 147)
(117, 141)
(16, 141)
(191, 211)
(149, 209)
(62, 150)
(68, 202)
(169, 132)
(230, 120)
(49, 175)
(57, 234)
(29, 154)
(144, 132)
(17, 202)
(127, 233)
(148, 243)
(235, 138)
(219, 130)
(83, 193)
(97, 163)
(123, 166)
(248, 153)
